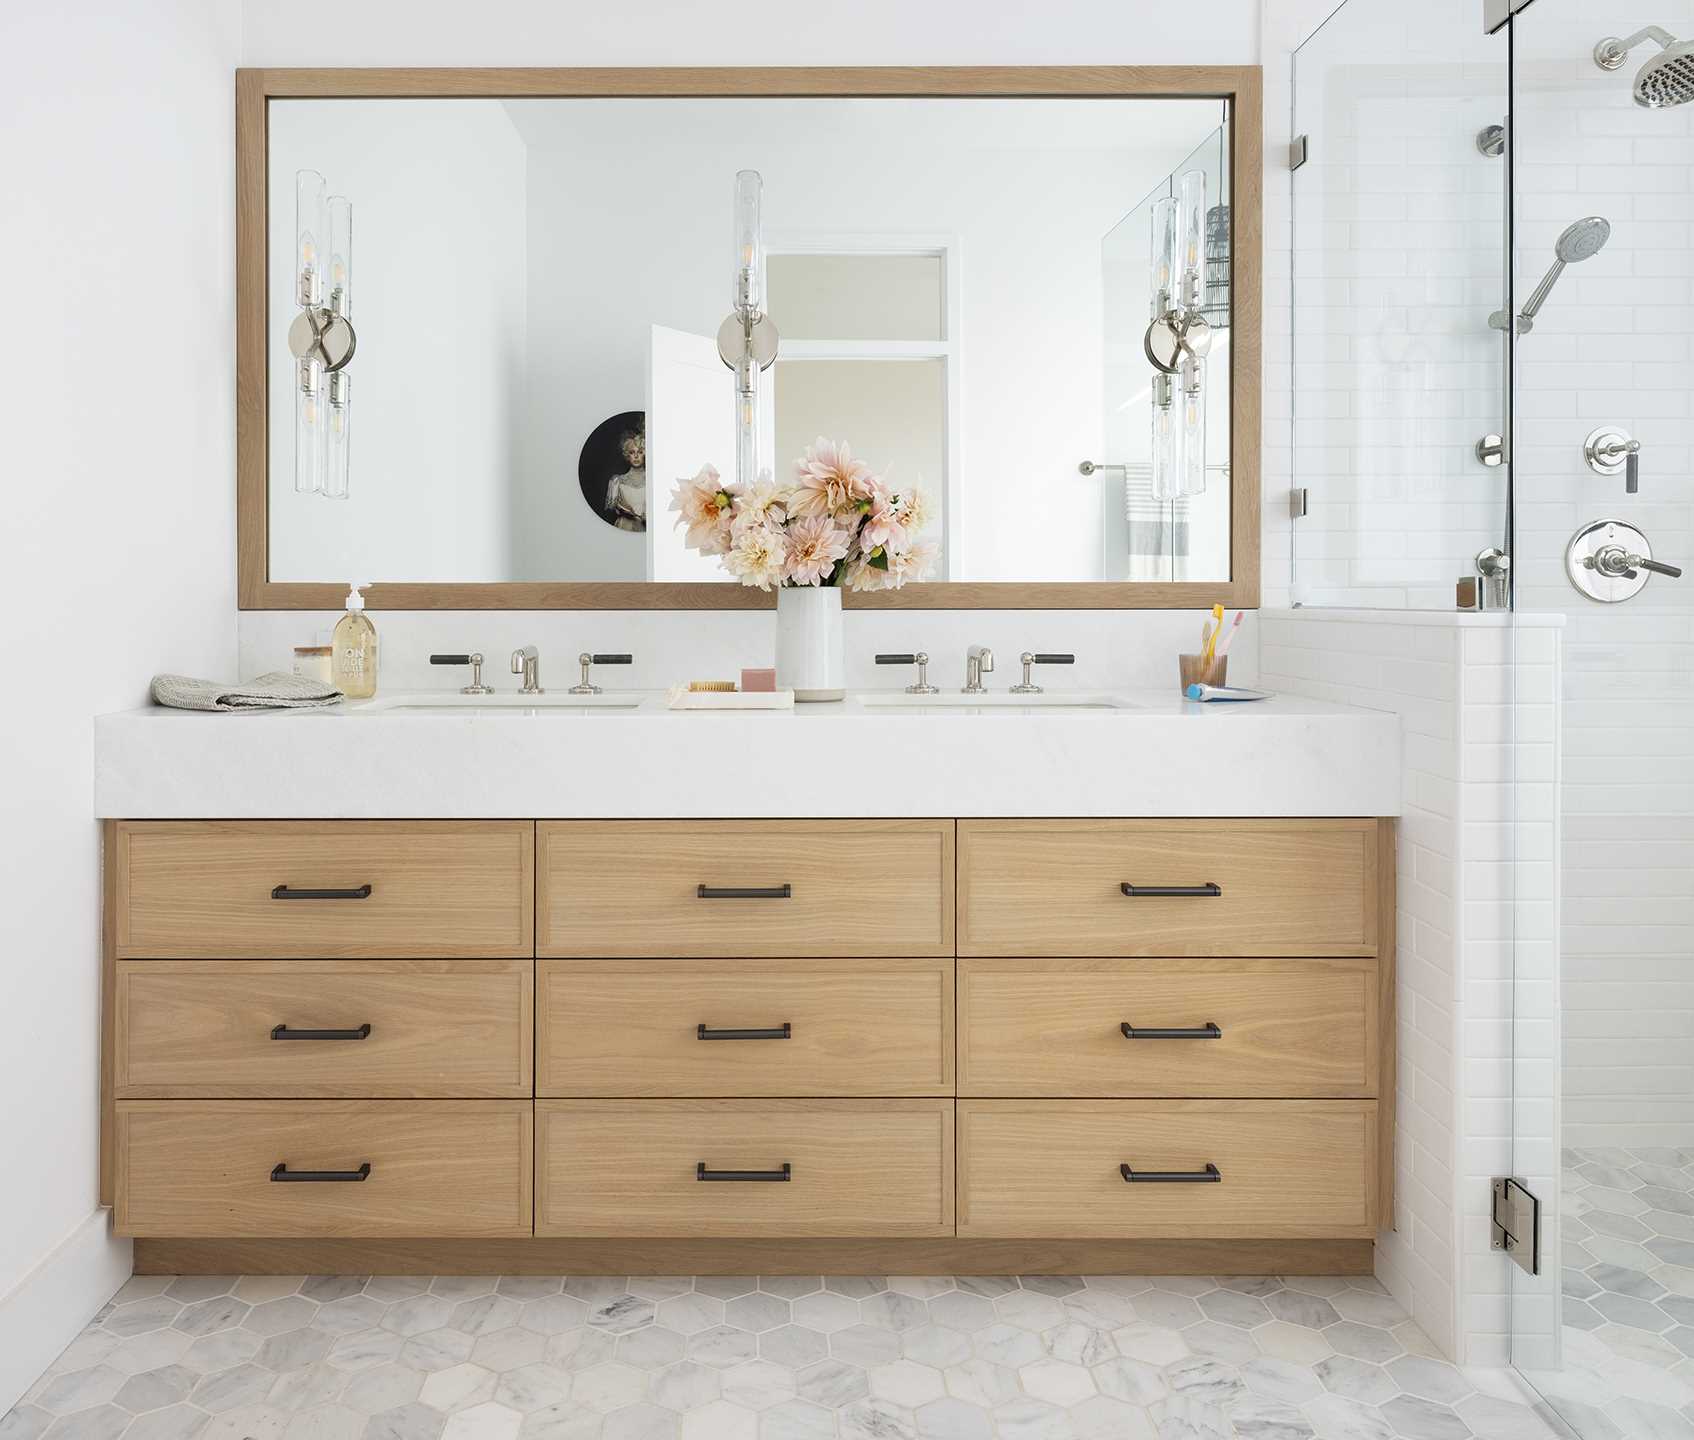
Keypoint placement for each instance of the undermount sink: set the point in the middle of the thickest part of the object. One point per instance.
(506, 703)
(992, 701)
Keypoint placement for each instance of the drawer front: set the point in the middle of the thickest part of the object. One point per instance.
(745, 1027)
(323, 1029)
(281, 889)
(1288, 1169)
(726, 887)
(856, 1167)
(1245, 887)
(1233, 1028)
(437, 1167)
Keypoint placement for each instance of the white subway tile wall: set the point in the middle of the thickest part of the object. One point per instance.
(1477, 864)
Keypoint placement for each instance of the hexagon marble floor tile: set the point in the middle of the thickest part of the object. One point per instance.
(773, 1358)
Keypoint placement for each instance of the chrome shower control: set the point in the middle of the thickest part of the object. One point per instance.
(1610, 561)
(1609, 450)
(1491, 450)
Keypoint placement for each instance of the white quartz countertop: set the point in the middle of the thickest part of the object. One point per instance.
(1137, 754)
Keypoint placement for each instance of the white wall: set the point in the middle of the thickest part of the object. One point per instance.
(115, 118)
(440, 305)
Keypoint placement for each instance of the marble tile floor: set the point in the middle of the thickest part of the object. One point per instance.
(1627, 1258)
(772, 1358)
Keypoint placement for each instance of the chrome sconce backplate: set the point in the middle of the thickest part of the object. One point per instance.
(321, 334)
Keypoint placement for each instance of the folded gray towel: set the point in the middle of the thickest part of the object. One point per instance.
(275, 691)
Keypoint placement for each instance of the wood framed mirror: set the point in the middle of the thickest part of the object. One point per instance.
(1027, 359)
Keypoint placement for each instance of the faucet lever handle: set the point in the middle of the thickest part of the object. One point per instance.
(919, 658)
(1030, 660)
(474, 660)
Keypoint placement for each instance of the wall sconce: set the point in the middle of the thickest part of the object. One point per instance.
(1178, 339)
(321, 337)
(747, 339)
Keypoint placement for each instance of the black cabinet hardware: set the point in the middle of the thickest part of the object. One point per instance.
(1208, 1176)
(282, 1032)
(745, 892)
(784, 1031)
(322, 1177)
(702, 1173)
(358, 892)
(1179, 891)
(1208, 1031)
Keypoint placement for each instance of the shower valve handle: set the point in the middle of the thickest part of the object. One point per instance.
(1615, 562)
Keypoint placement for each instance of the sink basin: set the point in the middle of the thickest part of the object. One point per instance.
(991, 701)
(505, 703)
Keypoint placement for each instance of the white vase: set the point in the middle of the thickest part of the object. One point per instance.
(811, 658)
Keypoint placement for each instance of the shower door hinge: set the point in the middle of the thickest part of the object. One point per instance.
(1516, 1227)
(1297, 503)
(1299, 151)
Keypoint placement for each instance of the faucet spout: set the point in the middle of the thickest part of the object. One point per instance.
(526, 661)
(979, 661)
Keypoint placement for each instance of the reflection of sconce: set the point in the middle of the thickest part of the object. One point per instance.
(1178, 339)
(321, 337)
(747, 339)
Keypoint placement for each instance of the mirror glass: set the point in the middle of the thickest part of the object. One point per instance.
(962, 289)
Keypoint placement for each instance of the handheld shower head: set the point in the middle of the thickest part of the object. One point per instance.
(1664, 81)
(1583, 240)
(1580, 241)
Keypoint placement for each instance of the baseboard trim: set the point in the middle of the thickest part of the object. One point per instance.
(48, 1308)
(752, 1257)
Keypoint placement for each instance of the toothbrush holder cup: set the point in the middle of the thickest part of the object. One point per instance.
(1197, 670)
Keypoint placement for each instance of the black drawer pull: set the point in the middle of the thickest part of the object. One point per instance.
(745, 892)
(784, 1031)
(1208, 1176)
(358, 892)
(282, 1032)
(1208, 1031)
(1198, 891)
(322, 1177)
(702, 1173)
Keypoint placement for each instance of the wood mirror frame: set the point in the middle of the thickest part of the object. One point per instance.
(1239, 85)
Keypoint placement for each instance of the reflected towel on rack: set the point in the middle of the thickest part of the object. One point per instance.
(275, 691)
(1158, 529)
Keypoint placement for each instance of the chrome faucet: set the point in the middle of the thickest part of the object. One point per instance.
(979, 661)
(526, 661)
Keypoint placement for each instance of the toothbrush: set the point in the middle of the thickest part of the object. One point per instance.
(1214, 630)
(1229, 639)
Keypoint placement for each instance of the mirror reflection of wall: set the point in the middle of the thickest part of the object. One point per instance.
(943, 274)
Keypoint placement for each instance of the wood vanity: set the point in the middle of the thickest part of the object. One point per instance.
(697, 1046)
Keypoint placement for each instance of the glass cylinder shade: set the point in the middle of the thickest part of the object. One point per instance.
(339, 296)
(338, 428)
(1165, 450)
(1192, 255)
(1162, 282)
(311, 430)
(311, 235)
(749, 294)
(1191, 399)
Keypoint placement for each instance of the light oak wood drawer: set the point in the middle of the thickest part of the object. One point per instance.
(280, 889)
(634, 1167)
(1242, 887)
(727, 887)
(269, 1029)
(1288, 1169)
(1280, 1028)
(745, 1027)
(437, 1167)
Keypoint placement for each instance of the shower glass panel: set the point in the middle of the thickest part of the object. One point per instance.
(1399, 214)
(1604, 1007)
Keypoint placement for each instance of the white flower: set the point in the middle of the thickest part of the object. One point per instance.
(756, 556)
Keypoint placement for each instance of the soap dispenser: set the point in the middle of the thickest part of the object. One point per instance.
(353, 661)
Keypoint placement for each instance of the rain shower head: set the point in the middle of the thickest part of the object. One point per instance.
(1665, 80)
(1582, 240)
